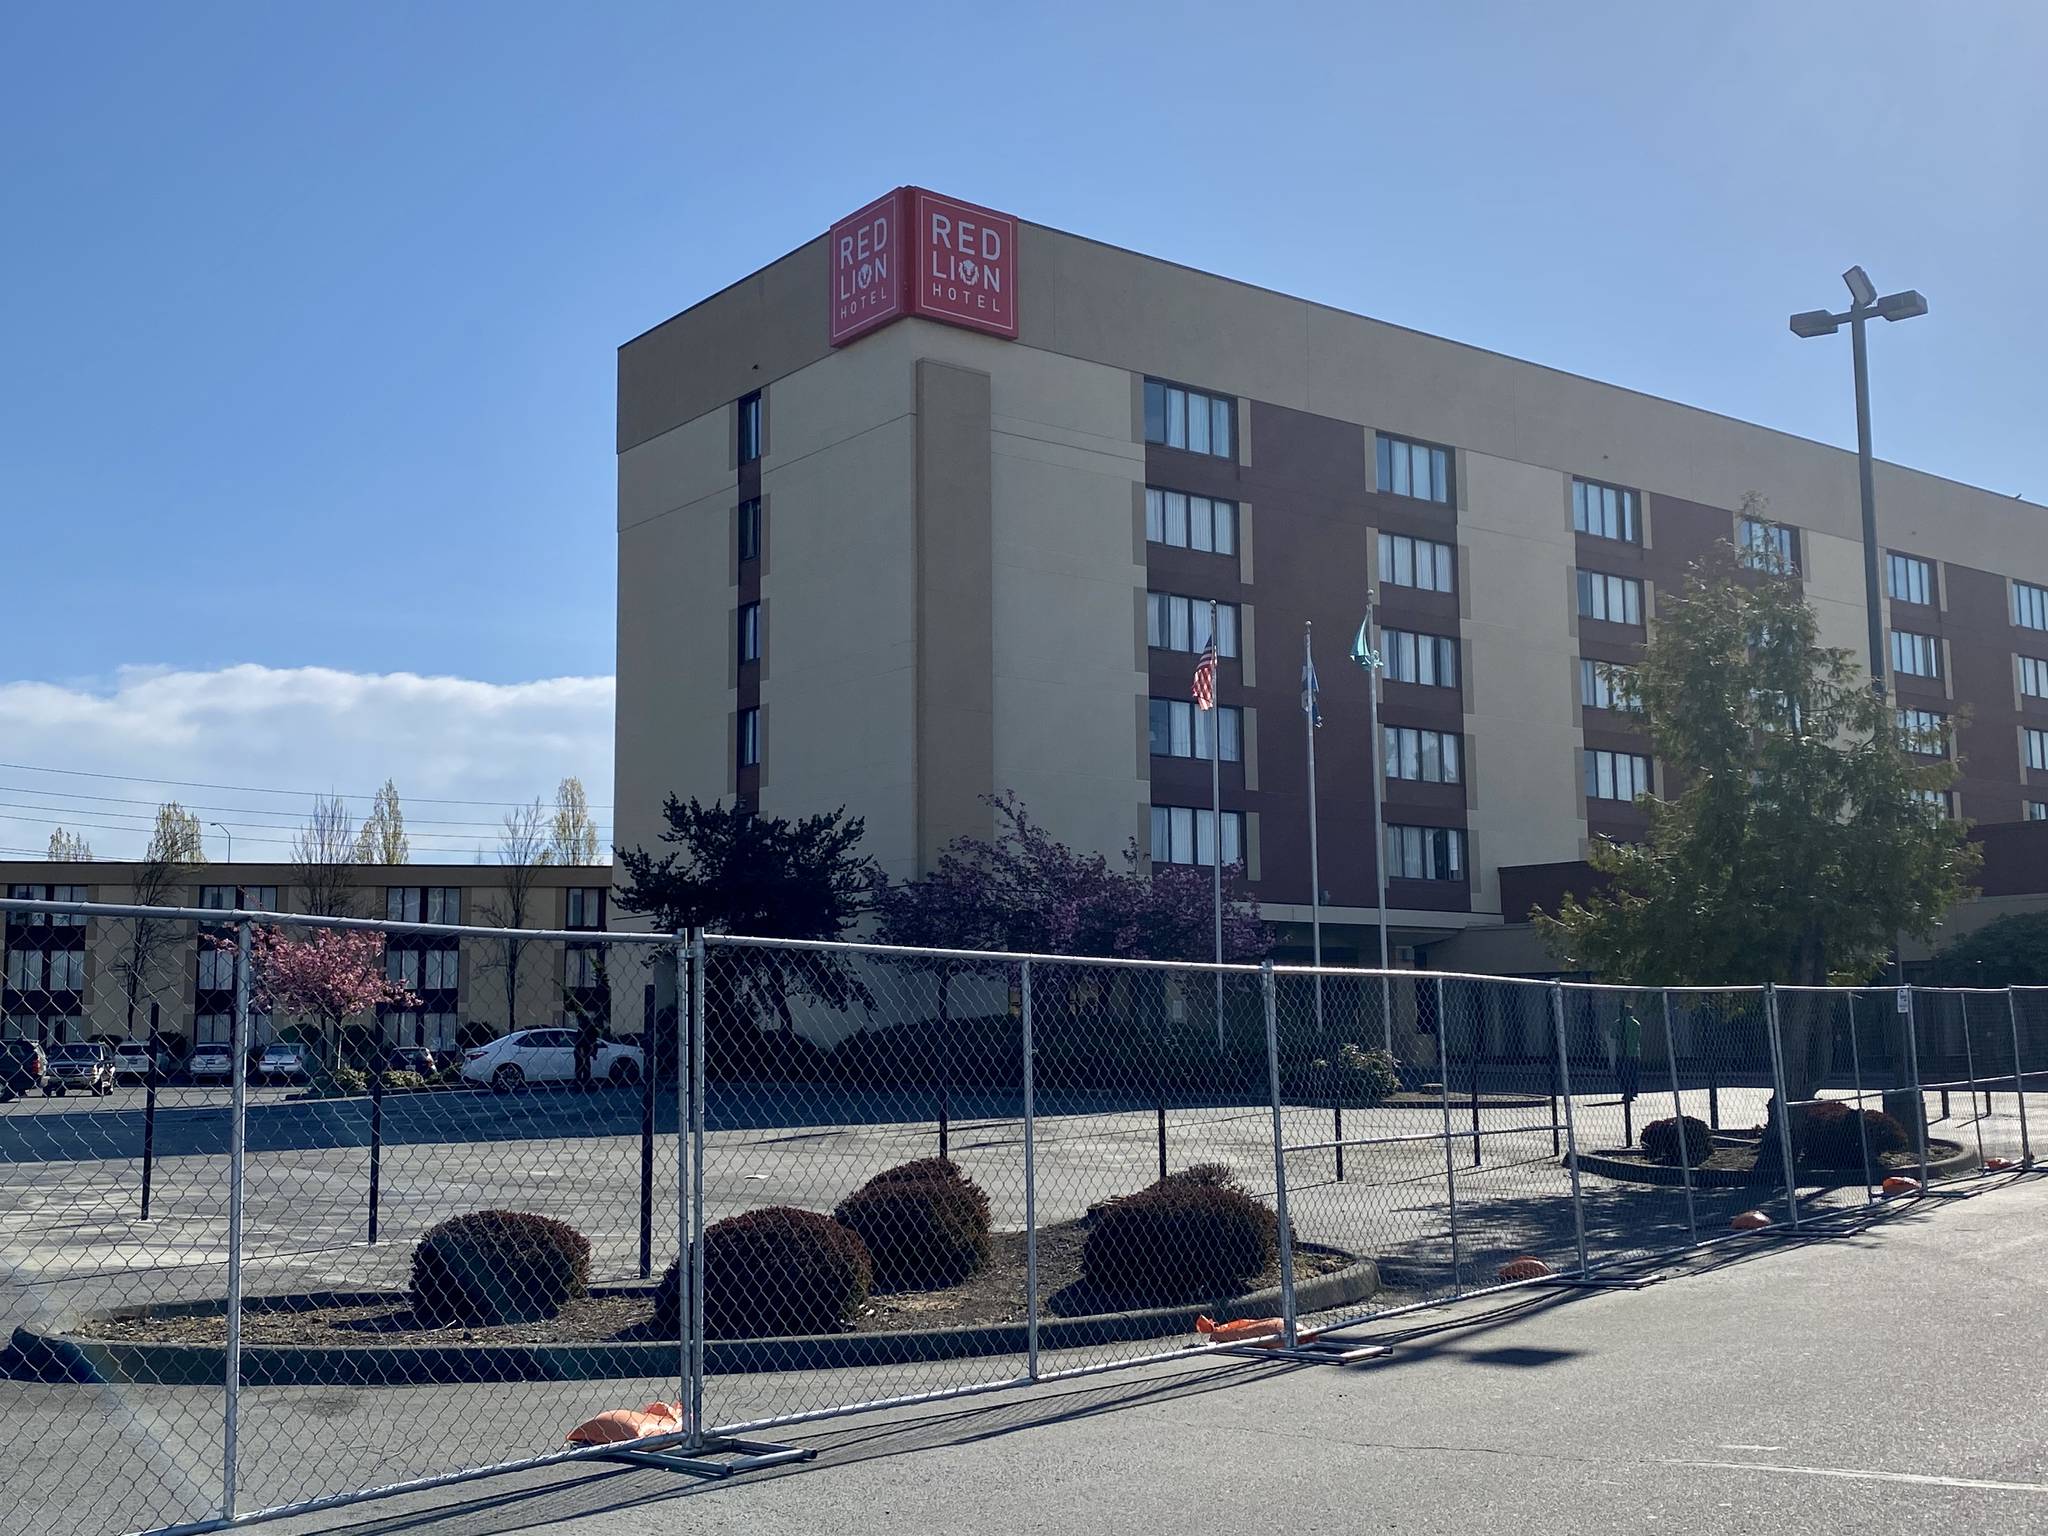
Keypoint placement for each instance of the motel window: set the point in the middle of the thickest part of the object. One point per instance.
(1427, 757)
(2029, 605)
(1426, 853)
(1188, 418)
(1939, 799)
(1430, 660)
(1611, 599)
(750, 632)
(583, 906)
(750, 528)
(1766, 546)
(2037, 810)
(2037, 749)
(1924, 731)
(1409, 468)
(1605, 511)
(1205, 523)
(1184, 834)
(750, 737)
(750, 427)
(1420, 563)
(2033, 676)
(1915, 655)
(1176, 623)
(1607, 685)
(1617, 775)
(1178, 729)
(1909, 579)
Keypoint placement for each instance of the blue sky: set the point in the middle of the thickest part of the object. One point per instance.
(311, 310)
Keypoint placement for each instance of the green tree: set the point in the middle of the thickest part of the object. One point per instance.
(382, 839)
(2009, 951)
(573, 836)
(176, 839)
(69, 848)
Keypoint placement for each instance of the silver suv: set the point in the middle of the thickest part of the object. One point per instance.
(85, 1065)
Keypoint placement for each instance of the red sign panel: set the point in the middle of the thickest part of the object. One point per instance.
(913, 252)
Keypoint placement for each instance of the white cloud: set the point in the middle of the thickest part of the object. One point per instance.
(301, 729)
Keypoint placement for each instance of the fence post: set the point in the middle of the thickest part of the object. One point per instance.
(1856, 1072)
(1571, 1134)
(1287, 1320)
(151, 1074)
(1970, 1068)
(1443, 1041)
(1919, 1097)
(376, 1142)
(1692, 1226)
(1784, 1101)
(1472, 1066)
(1555, 1148)
(649, 1055)
(238, 1127)
(2019, 1076)
(690, 1099)
(1030, 1178)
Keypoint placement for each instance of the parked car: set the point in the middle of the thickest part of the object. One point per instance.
(411, 1058)
(85, 1065)
(548, 1056)
(210, 1063)
(282, 1059)
(132, 1061)
(22, 1067)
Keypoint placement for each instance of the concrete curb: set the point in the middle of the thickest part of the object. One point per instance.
(62, 1357)
(1946, 1164)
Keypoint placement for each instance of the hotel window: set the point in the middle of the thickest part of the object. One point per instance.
(1187, 418)
(2037, 749)
(750, 427)
(750, 632)
(46, 893)
(1178, 729)
(1419, 563)
(2033, 676)
(1408, 468)
(1426, 853)
(1938, 798)
(1427, 757)
(1431, 660)
(583, 906)
(1184, 835)
(1190, 522)
(1604, 511)
(1766, 546)
(2037, 810)
(1924, 731)
(1611, 599)
(750, 528)
(1174, 623)
(1915, 655)
(2029, 605)
(583, 966)
(1617, 775)
(1607, 685)
(750, 737)
(1910, 579)
(423, 903)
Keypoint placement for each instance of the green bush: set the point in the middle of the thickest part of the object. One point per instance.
(1359, 1077)
(1662, 1140)
(498, 1267)
(925, 1224)
(1193, 1236)
(403, 1082)
(348, 1081)
(1830, 1135)
(773, 1272)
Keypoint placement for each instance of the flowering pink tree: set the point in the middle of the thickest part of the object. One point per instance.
(326, 974)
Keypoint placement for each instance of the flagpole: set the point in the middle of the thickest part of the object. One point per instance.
(1216, 818)
(1315, 873)
(1379, 830)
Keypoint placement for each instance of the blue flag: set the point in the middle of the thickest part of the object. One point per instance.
(1311, 704)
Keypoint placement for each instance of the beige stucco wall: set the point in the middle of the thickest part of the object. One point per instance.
(1521, 726)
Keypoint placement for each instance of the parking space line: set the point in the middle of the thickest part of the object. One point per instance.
(1859, 1474)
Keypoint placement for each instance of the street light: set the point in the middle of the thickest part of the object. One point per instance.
(224, 832)
(1864, 302)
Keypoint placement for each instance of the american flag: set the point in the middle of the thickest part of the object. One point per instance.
(1205, 677)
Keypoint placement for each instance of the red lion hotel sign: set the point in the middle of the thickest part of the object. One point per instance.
(913, 252)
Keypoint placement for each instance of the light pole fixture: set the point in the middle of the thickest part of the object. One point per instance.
(221, 828)
(1863, 303)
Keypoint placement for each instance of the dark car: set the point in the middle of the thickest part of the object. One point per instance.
(23, 1067)
(86, 1065)
(411, 1058)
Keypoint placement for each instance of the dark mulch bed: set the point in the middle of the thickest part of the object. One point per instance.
(993, 1295)
(1742, 1159)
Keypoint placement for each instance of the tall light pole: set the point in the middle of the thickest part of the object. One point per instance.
(1863, 303)
(221, 828)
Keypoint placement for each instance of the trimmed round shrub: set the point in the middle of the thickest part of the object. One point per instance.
(925, 1225)
(1663, 1140)
(1193, 1236)
(403, 1082)
(498, 1267)
(773, 1272)
(1831, 1135)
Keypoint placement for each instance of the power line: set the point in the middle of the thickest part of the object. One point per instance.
(254, 789)
(466, 843)
(252, 810)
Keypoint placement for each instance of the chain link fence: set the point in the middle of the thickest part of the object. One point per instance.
(300, 1210)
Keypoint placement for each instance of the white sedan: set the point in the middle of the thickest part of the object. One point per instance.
(548, 1056)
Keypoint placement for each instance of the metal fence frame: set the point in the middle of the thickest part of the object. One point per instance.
(692, 956)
